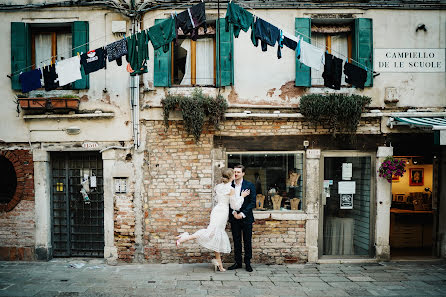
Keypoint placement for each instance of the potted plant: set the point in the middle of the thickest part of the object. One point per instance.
(64, 102)
(391, 167)
(37, 102)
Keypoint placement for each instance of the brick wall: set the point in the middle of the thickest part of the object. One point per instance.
(124, 226)
(17, 225)
(179, 189)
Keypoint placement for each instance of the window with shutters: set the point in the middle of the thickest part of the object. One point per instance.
(337, 40)
(34, 45)
(193, 62)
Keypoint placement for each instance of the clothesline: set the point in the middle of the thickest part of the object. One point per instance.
(17, 72)
(309, 37)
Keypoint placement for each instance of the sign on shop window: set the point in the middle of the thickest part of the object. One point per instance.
(346, 201)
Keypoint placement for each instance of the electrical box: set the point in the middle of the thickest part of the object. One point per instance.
(119, 27)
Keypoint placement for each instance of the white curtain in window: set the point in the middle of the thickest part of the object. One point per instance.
(205, 62)
(339, 45)
(186, 81)
(43, 49)
(317, 40)
(63, 46)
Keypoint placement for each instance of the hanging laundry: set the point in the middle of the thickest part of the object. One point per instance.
(116, 50)
(94, 60)
(162, 34)
(311, 56)
(267, 34)
(50, 79)
(69, 70)
(239, 17)
(190, 19)
(30, 80)
(138, 52)
(284, 40)
(355, 75)
(332, 72)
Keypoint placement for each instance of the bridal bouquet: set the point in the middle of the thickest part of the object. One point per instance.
(391, 167)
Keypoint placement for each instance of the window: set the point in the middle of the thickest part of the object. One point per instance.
(356, 43)
(193, 62)
(47, 42)
(8, 180)
(205, 62)
(276, 176)
(337, 40)
(32, 43)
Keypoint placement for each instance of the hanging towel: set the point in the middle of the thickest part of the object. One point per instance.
(355, 75)
(285, 41)
(267, 34)
(94, 60)
(138, 52)
(332, 72)
(116, 50)
(311, 56)
(239, 17)
(30, 80)
(69, 70)
(190, 19)
(50, 79)
(162, 34)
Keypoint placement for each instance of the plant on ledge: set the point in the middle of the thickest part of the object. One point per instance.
(341, 112)
(391, 167)
(195, 109)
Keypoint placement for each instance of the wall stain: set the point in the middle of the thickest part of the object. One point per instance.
(106, 99)
(84, 98)
(288, 91)
(233, 96)
(271, 92)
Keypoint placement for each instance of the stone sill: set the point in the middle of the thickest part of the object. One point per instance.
(69, 116)
(294, 215)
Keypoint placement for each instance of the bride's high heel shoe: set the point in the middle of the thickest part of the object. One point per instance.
(182, 237)
(217, 266)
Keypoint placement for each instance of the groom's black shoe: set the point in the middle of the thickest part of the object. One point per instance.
(235, 266)
(248, 267)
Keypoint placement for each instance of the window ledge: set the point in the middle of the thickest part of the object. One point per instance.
(292, 215)
(69, 116)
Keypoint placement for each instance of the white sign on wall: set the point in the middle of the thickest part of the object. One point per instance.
(409, 60)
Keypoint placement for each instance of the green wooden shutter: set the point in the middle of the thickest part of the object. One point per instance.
(363, 47)
(225, 53)
(303, 72)
(20, 52)
(80, 41)
(162, 64)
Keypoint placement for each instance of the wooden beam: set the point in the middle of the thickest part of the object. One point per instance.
(215, 60)
(349, 45)
(53, 47)
(328, 43)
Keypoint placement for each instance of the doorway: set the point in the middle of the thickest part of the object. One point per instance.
(346, 230)
(77, 204)
(411, 212)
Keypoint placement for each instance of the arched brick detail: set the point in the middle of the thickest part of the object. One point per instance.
(24, 169)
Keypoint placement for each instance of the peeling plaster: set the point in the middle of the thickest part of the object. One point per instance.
(288, 91)
(271, 92)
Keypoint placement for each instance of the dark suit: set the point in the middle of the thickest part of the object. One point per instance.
(243, 227)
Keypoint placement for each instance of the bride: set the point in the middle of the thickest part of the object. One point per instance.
(214, 237)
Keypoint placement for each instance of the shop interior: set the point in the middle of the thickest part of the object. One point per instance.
(411, 215)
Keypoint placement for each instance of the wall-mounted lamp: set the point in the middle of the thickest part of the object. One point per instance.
(421, 27)
(73, 130)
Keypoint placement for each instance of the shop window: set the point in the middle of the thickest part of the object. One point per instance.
(276, 176)
(193, 62)
(8, 180)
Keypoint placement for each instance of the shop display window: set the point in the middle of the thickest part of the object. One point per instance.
(278, 178)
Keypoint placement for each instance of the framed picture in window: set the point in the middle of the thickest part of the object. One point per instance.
(416, 177)
(400, 197)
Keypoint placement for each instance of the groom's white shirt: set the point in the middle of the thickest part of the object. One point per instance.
(238, 189)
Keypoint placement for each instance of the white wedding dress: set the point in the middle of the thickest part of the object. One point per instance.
(214, 237)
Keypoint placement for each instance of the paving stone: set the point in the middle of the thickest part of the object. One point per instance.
(307, 279)
(344, 285)
(360, 278)
(334, 279)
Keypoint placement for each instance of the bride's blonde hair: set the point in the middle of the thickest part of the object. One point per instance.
(226, 174)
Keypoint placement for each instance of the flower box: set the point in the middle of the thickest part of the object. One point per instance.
(49, 103)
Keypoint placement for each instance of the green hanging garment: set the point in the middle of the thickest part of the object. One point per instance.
(162, 34)
(138, 52)
(241, 19)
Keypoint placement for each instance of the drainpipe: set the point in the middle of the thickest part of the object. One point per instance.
(134, 95)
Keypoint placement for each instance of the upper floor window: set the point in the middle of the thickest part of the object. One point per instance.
(33, 45)
(337, 40)
(193, 62)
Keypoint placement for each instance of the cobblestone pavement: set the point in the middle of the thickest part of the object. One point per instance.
(81, 277)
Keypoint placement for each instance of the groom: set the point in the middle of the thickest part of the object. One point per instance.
(241, 221)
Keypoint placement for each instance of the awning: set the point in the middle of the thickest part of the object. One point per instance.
(434, 123)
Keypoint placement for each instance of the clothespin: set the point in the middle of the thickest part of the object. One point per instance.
(366, 69)
(78, 54)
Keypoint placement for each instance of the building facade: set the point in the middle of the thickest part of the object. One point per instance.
(108, 179)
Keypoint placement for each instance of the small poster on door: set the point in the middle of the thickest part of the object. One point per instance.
(346, 201)
(347, 169)
(346, 187)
